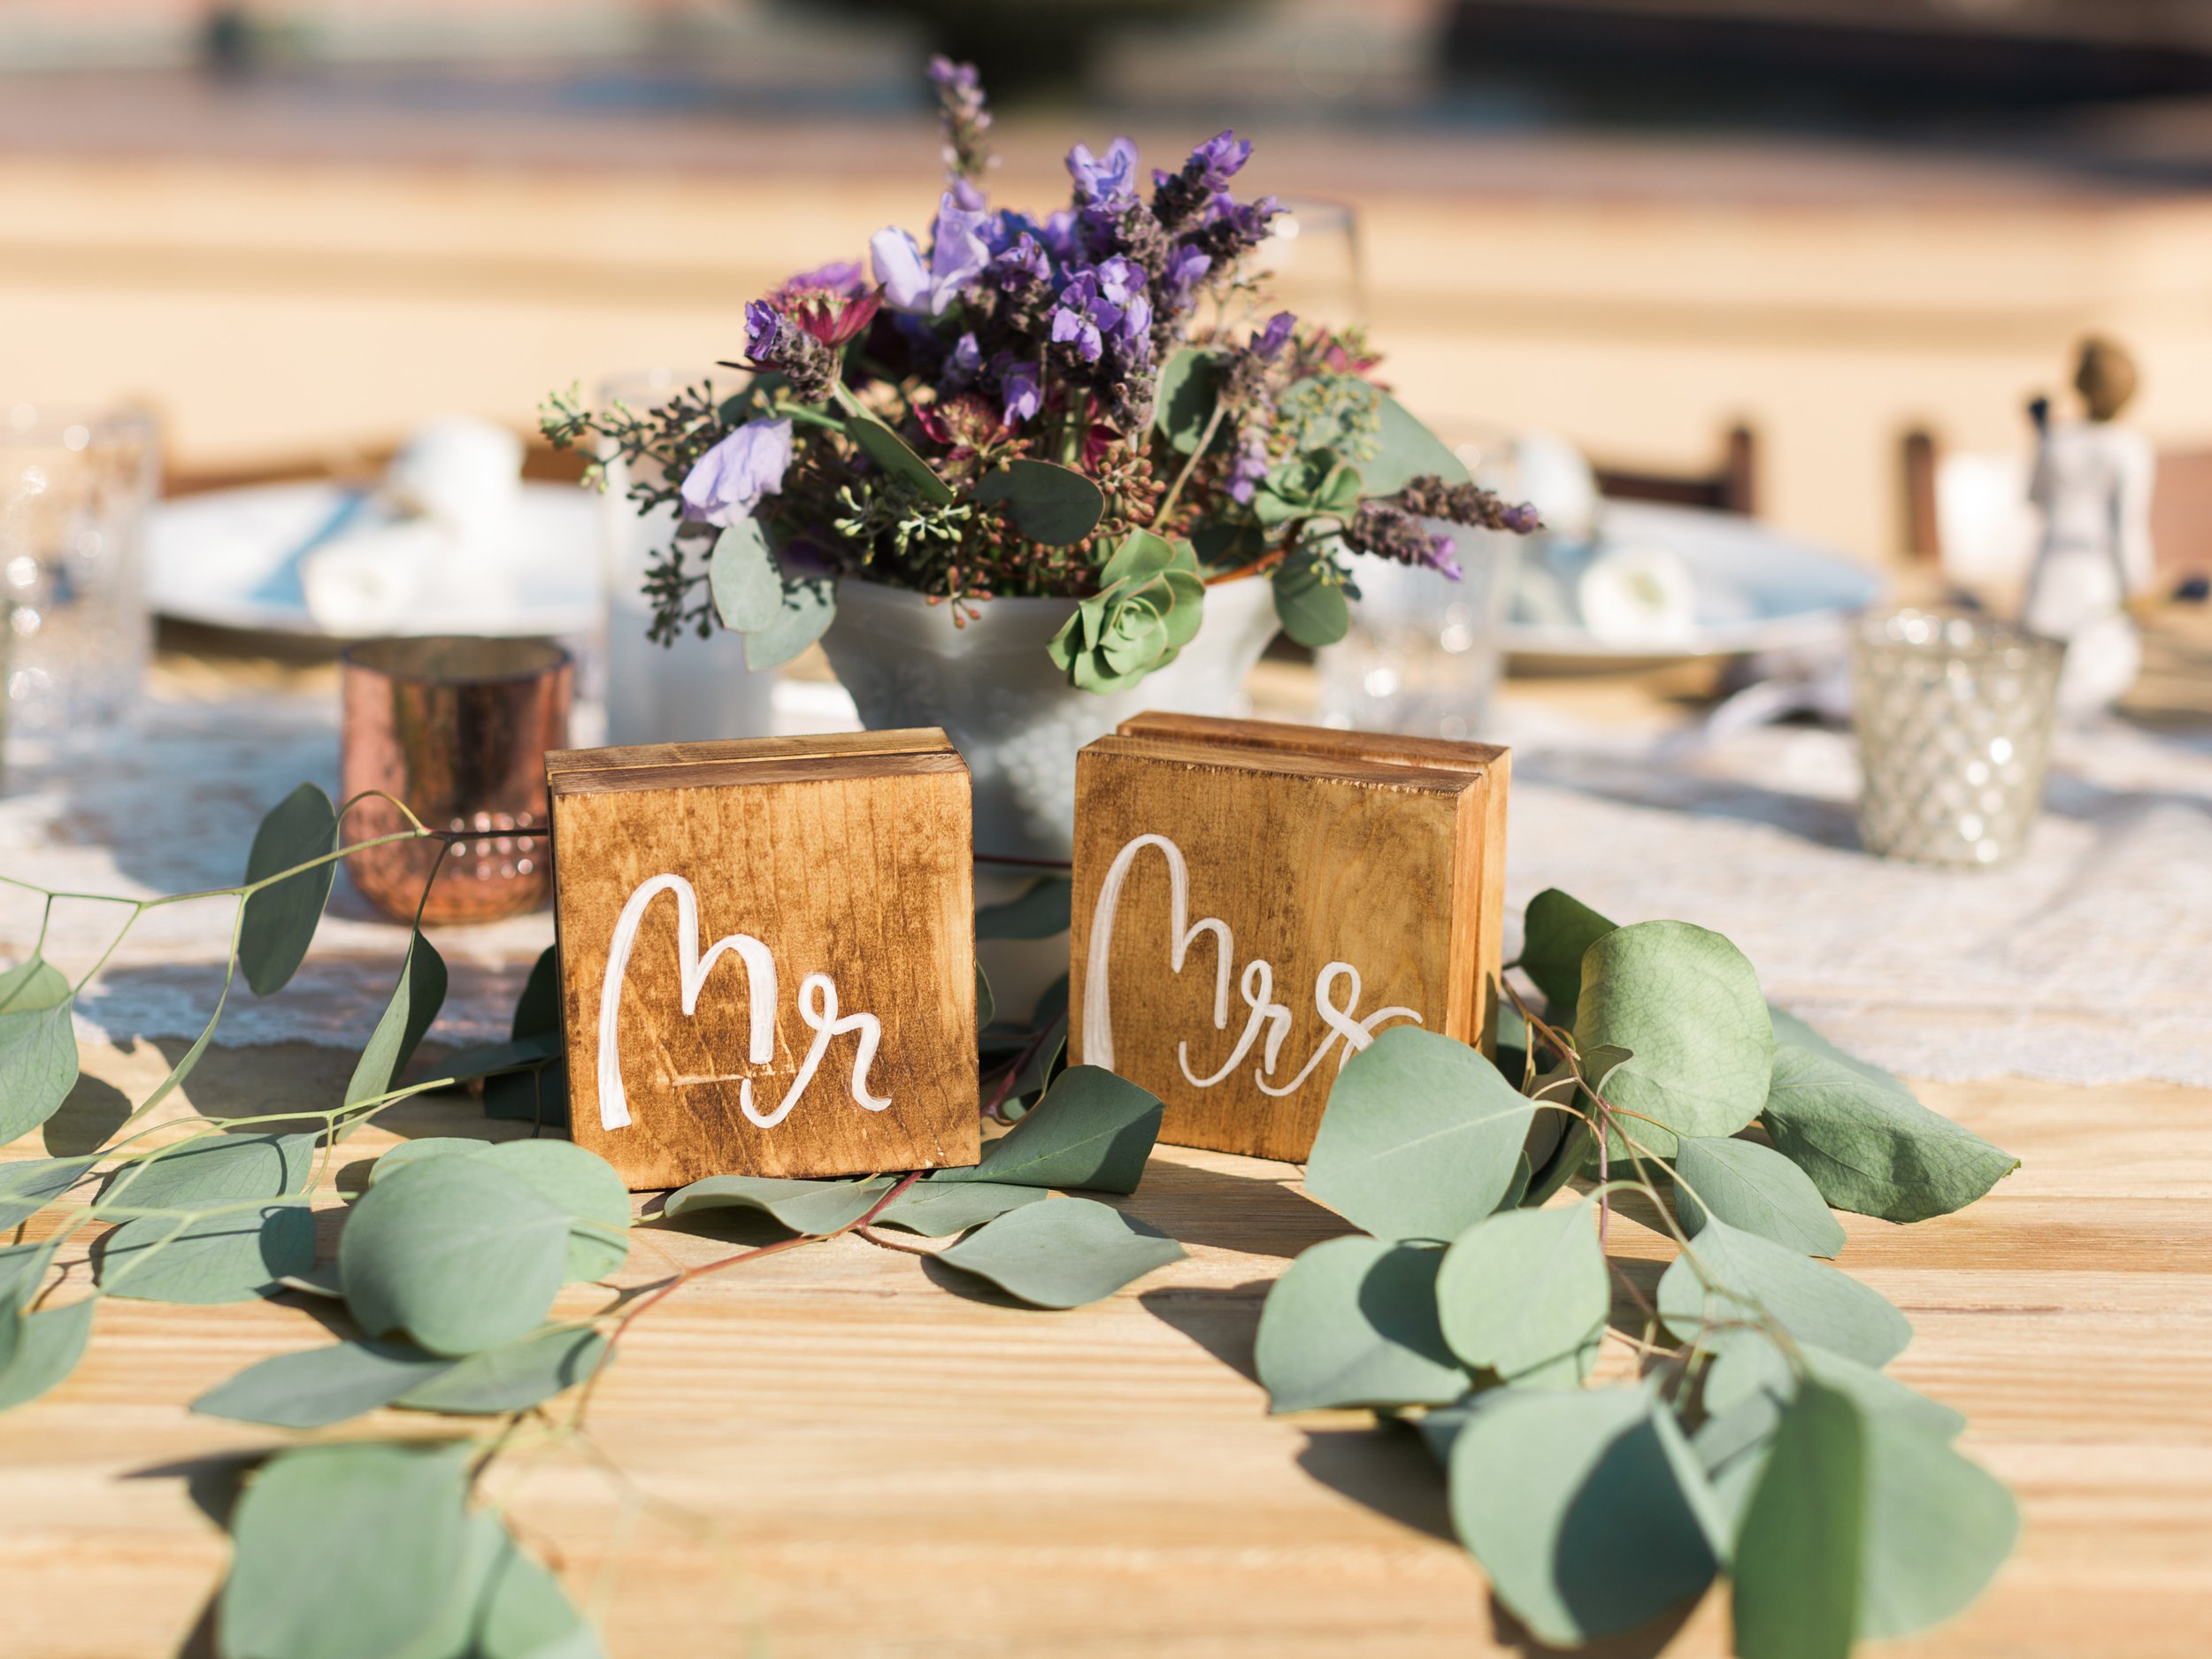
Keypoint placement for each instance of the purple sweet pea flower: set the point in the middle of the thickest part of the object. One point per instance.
(1058, 233)
(1186, 266)
(726, 483)
(1270, 340)
(761, 322)
(1071, 326)
(956, 258)
(1219, 159)
(967, 196)
(1249, 467)
(1022, 390)
(841, 276)
(1443, 557)
(960, 367)
(1021, 264)
(1109, 178)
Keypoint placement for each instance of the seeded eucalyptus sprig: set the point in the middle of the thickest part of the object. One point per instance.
(1754, 1433)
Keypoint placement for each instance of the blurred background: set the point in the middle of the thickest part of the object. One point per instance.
(1789, 253)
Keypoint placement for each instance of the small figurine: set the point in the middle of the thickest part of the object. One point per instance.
(2093, 482)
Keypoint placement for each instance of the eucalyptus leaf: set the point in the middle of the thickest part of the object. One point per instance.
(1813, 1301)
(29, 1185)
(397, 1158)
(586, 1188)
(1406, 449)
(278, 921)
(1754, 1188)
(1556, 931)
(1183, 402)
(317, 1387)
(809, 607)
(1042, 912)
(1034, 1073)
(805, 1207)
(38, 1045)
(1797, 1563)
(986, 1004)
(892, 453)
(1575, 1145)
(209, 1261)
(1868, 1145)
(1421, 1136)
(1524, 1293)
(1575, 1507)
(488, 1059)
(456, 1252)
(1052, 505)
(1687, 1006)
(1750, 1368)
(1352, 1322)
(539, 1096)
(512, 1377)
(538, 1010)
(1313, 610)
(1061, 1254)
(344, 1552)
(743, 580)
(937, 1210)
(39, 1350)
(1092, 1131)
(1937, 1528)
(209, 1171)
(522, 1612)
(415, 1003)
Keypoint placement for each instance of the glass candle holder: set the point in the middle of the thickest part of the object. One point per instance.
(1421, 653)
(456, 728)
(1953, 714)
(75, 488)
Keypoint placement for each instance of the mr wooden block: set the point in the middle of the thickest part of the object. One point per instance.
(1254, 902)
(768, 955)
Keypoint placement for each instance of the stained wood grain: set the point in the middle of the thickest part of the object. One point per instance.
(832, 1452)
(841, 867)
(1330, 876)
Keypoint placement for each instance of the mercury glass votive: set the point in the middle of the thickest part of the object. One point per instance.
(1954, 719)
(456, 728)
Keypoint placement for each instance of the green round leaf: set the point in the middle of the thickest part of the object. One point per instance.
(211, 1170)
(1183, 402)
(1053, 504)
(1352, 1322)
(1313, 610)
(807, 1207)
(455, 1253)
(39, 1350)
(891, 452)
(345, 1552)
(1938, 1527)
(318, 1387)
(1406, 449)
(29, 1185)
(396, 1158)
(586, 1188)
(415, 1003)
(512, 1377)
(937, 1210)
(234, 1257)
(1575, 1506)
(1796, 1562)
(279, 920)
(808, 606)
(1524, 1293)
(1061, 1254)
(1753, 1188)
(1746, 1369)
(1556, 932)
(1868, 1145)
(743, 579)
(1040, 913)
(1686, 1004)
(522, 1612)
(1420, 1138)
(1753, 1276)
(1092, 1131)
(38, 1045)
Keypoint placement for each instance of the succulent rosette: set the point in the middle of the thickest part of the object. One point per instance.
(1094, 404)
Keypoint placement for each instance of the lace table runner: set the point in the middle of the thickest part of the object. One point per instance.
(2089, 961)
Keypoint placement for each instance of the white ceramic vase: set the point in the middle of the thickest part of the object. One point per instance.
(1010, 712)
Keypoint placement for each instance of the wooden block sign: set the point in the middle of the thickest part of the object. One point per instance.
(1254, 902)
(767, 955)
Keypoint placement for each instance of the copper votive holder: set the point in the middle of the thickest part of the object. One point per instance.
(458, 729)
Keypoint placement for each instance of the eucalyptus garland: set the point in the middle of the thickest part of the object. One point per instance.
(1752, 1433)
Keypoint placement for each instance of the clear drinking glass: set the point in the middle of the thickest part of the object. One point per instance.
(1311, 262)
(75, 488)
(1421, 654)
(1953, 720)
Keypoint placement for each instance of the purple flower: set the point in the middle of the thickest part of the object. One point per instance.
(1023, 394)
(1442, 557)
(1021, 264)
(1220, 159)
(948, 76)
(1058, 233)
(968, 194)
(1270, 340)
(726, 483)
(1109, 178)
(762, 320)
(1249, 467)
(1186, 266)
(841, 276)
(966, 357)
(1073, 327)
(956, 258)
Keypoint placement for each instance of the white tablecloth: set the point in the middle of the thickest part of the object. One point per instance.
(2089, 961)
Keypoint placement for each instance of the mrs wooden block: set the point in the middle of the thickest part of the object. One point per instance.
(767, 955)
(1254, 902)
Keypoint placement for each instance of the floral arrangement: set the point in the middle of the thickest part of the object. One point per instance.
(1089, 405)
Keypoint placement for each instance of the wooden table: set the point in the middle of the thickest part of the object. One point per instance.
(837, 1451)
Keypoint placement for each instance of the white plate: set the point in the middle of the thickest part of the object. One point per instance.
(1757, 590)
(220, 558)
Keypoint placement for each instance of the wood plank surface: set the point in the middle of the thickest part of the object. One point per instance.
(836, 1451)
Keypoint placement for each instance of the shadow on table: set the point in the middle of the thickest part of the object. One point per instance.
(1387, 1469)
(1669, 786)
(1223, 1321)
(1253, 1214)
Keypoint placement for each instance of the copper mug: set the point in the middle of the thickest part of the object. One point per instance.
(458, 729)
